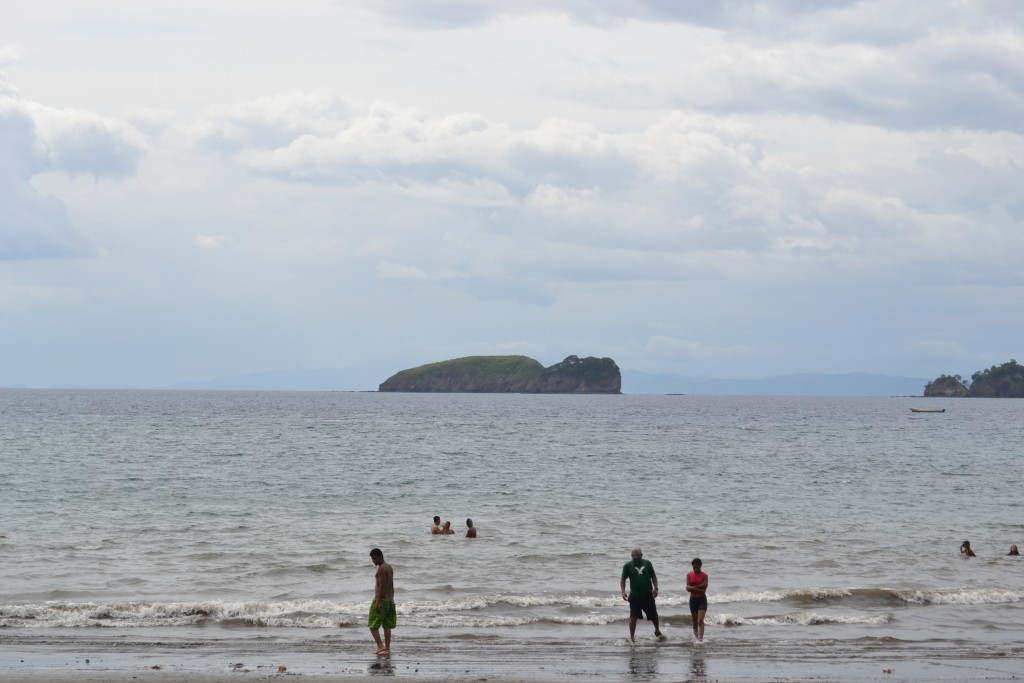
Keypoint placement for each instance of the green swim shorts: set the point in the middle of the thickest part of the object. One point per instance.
(386, 616)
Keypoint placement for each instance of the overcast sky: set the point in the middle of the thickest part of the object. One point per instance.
(198, 189)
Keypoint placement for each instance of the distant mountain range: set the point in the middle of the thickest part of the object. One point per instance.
(802, 384)
(633, 382)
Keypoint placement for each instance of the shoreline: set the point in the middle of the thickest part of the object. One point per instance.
(452, 660)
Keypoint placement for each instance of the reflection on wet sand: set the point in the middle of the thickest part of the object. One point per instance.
(698, 672)
(643, 663)
(381, 667)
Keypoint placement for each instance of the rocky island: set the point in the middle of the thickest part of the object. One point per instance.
(1003, 381)
(510, 375)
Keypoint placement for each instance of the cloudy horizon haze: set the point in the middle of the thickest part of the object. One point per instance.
(736, 189)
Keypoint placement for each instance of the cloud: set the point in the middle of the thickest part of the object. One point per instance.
(35, 139)
(387, 270)
(894, 64)
(78, 141)
(272, 121)
(691, 182)
(211, 241)
(31, 225)
(469, 13)
(691, 195)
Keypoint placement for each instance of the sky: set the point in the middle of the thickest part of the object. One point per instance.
(739, 189)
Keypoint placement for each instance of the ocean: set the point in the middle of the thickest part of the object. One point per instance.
(212, 530)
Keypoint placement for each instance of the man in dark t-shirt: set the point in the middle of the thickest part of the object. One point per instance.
(643, 589)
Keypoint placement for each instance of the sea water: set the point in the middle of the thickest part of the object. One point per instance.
(242, 522)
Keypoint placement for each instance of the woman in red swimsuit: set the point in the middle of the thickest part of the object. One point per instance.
(697, 584)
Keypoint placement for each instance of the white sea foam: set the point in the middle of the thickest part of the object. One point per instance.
(485, 610)
(799, 618)
(779, 595)
(304, 614)
(962, 596)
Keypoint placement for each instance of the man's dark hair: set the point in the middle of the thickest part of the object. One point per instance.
(376, 553)
(437, 519)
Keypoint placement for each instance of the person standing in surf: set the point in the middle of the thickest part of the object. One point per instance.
(643, 589)
(697, 584)
(382, 609)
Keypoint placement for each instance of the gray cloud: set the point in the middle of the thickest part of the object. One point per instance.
(31, 226)
(35, 139)
(907, 65)
(883, 22)
(691, 195)
(462, 13)
(682, 185)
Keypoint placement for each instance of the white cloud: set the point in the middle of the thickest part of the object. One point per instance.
(272, 121)
(211, 241)
(81, 142)
(387, 270)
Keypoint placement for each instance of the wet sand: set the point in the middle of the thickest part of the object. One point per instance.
(673, 661)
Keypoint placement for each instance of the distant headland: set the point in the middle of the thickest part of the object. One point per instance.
(1003, 381)
(510, 375)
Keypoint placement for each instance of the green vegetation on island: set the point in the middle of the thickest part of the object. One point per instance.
(510, 375)
(999, 381)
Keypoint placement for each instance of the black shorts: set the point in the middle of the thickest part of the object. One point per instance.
(698, 603)
(644, 604)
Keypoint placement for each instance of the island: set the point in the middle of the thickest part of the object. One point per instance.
(1002, 381)
(510, 375)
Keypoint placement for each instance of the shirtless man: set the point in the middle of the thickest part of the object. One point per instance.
(447, 529)
(471, 530)
(382, 608)
(436, 529)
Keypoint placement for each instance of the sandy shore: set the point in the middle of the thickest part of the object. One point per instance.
(85, 658)
(680, 661)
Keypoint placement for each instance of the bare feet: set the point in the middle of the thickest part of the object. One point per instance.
(382, 651)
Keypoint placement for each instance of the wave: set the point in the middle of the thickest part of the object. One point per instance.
(962, 596)
(877, 596)
(798, 618)
(313, 614)
(485, 610)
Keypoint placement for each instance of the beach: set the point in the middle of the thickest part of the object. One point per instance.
(200, 531)
(666, 662)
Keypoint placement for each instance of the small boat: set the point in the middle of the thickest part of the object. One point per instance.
(927, 410)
